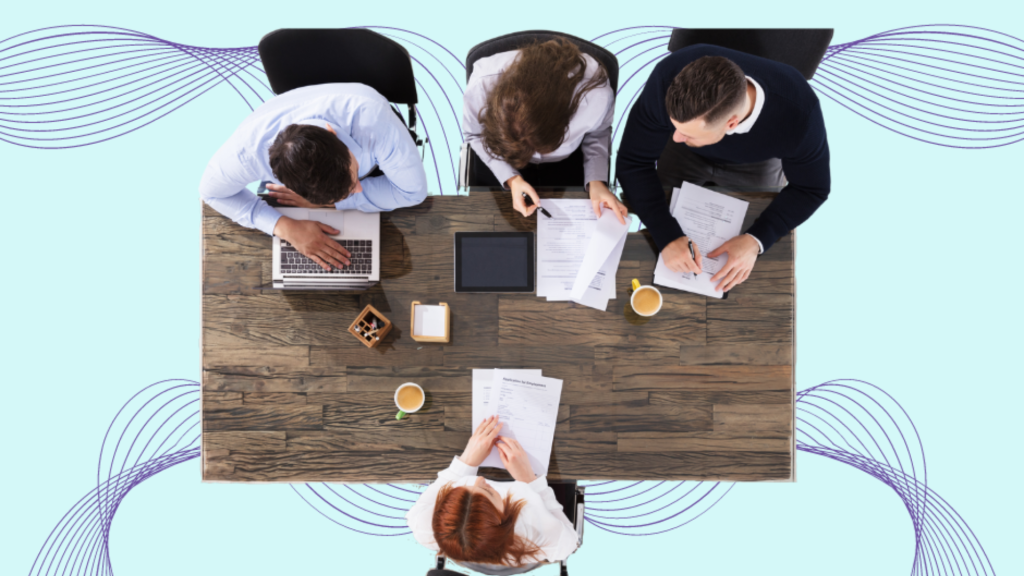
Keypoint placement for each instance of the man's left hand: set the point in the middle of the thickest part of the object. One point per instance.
(742, 251)
(289, 198)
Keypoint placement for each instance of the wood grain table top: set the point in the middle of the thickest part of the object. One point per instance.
(702, 391)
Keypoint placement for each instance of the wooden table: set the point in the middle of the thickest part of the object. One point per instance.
(702, 391)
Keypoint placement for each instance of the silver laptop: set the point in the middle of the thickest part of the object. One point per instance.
(360, 235)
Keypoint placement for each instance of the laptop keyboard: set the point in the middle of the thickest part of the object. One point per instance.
(294, 262)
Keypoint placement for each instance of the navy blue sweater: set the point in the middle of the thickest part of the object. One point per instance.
(789, 127)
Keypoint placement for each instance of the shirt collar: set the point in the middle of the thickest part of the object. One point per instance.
(746, 125)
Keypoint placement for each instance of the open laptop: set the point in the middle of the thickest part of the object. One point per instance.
(360, 235)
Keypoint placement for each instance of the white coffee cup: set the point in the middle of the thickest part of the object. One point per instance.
(402, 410)
(637, 288)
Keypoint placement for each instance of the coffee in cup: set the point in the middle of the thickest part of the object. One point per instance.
(409, 398)
(646, 300)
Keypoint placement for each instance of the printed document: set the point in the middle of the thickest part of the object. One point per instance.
(577, 253)
(527, 406)
(709, 219)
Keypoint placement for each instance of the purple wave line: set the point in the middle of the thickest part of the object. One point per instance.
(866, 434)
(837, 78)
(908, 96)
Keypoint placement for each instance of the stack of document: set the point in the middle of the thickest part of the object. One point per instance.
(709, 219)
(578, 253)
(527, 406)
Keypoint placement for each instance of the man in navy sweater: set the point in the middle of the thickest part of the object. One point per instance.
(734, 119)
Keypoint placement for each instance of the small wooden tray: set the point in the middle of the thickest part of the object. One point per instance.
(447, 323)
(362, 330)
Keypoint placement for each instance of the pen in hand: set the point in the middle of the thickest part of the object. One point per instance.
(693, 256)
(529, 202)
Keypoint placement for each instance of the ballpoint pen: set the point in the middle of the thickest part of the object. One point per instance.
(529, 202)
(693, 256)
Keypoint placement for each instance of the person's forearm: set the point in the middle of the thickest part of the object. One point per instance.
(596, 153)
(793, 206)
(645, 198)
(380, 194)
(246, 209)
(502, 170)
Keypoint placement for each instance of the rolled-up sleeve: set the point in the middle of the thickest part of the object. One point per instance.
(223, 188)
(597, 142)
(404, 182)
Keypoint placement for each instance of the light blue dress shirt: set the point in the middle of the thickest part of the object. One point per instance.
(364, 121)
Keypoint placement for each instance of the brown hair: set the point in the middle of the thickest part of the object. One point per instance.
(469, 528)
(711, 87)
(313, 163)
(529, 108)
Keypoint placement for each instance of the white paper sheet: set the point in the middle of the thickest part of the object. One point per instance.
(483, 380)
(573, 245)
(709, 219)
(598, 268)
(429, 320)
(527, 406)
(561, 244)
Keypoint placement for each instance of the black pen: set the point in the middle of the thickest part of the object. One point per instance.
(529, 202)
(692, 255)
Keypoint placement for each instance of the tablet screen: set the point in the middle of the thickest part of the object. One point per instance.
(494, 262)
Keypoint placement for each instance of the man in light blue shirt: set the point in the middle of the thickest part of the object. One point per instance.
(319, 144)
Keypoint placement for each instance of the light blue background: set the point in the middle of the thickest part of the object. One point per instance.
(907, 278)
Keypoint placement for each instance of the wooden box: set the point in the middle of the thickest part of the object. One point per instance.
(362, 327)
(447, 324)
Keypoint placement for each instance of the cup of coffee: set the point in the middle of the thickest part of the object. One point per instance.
(409, 398)
(646, 300)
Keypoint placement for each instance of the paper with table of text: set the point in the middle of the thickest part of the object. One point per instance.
(709, 219)
(527, 406)
(577, 253)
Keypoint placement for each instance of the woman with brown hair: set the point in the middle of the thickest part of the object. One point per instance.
(488, 526)
(540, 104)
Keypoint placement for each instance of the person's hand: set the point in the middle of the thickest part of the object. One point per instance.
(742, 251)
(480, 443)
(600, 195)
(677, 256)
(289, 198)
(310, 238)
(515, 460)
(518, 186)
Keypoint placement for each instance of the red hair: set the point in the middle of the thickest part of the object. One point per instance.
(469, 528)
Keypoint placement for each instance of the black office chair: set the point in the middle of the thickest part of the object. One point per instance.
(297, 57)
(570, 495)
(801, 48)
(568, 172)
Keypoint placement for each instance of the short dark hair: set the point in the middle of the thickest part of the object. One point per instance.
(312, 162)
(710, 87)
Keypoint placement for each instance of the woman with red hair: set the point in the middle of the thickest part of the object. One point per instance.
(496, 527)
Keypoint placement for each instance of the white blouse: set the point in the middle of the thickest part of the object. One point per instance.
(590, 127)
(541, 520)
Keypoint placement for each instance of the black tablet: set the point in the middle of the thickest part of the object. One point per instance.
(494, 262)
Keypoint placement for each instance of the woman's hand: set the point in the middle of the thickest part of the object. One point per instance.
(289, 198)
(518, 186)
(600, 195)
(515, 460)
(480, 443)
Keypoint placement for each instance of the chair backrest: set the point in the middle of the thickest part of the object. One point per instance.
(297, 57)
(517, 40)
(801, 48)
